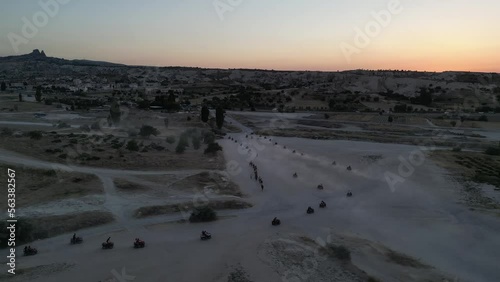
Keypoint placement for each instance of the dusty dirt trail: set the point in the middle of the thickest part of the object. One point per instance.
(421, 217)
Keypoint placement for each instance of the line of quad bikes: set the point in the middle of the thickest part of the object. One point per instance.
(310, 210)
(138, 243)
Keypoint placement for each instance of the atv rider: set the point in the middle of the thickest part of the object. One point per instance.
(309, 209)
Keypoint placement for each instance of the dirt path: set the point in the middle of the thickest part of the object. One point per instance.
(419, 217)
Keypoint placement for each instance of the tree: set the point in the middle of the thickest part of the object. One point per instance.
(204, 113)
(181, 146)
(38, 94)
(115, 113)
(148, 130)
(425, 97)
(331, 104)
(219, 117)
(391, 119)
(170, 104)
(20, 97)
(3, 87)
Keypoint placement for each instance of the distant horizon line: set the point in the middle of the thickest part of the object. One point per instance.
(255, 69)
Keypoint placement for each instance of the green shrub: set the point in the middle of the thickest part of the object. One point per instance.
(6, 132)
(493, 151)
(85, 128)
(182, 144)
(196, 140)
(24, 232)
(50, 173)
(63, 125)
(148, 130)
(35, 135)
(180, 148)
(203, 214)
(340, 252)
(95, 126)
(212, 148)
(116, 146)
(132, 146)
(208, 137)
(171, 139)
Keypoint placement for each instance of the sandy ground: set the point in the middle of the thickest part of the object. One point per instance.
(421, 217)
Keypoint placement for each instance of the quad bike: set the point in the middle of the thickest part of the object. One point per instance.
(276, 222)
(349, 168)
(322, 204)
(349, 194)
(138, 243)
(205, 236)
(108, 244)
(295, 175)
(320, 187)
(76, 240)
(310, 210)
(29, 251)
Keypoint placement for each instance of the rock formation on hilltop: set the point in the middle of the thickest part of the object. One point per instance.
(37, 54)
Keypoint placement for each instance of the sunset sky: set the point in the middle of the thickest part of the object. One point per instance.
(433, 35)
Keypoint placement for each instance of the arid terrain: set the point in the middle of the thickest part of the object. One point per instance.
(421, 209)
(407, 164)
